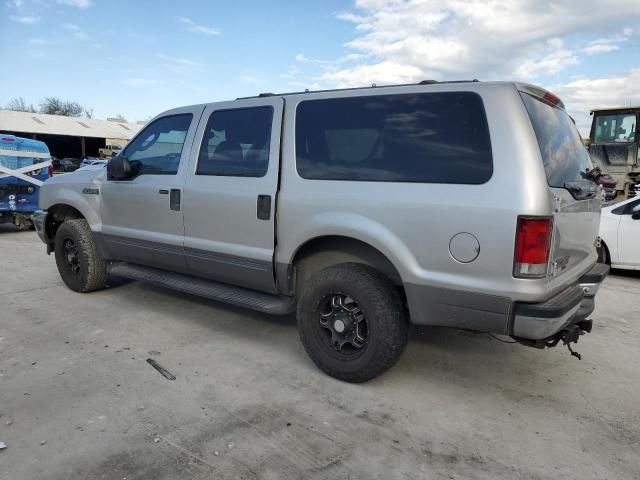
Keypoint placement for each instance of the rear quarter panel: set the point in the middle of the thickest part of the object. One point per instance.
(413, 223)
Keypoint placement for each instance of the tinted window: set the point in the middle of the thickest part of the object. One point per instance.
(157, 149)
(564, 155)
(422, 137)
(236, 143)
(615, 128)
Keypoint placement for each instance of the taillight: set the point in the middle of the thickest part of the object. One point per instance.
(533, 245)
(50, 170)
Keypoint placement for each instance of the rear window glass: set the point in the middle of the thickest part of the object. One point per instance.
(564, 155)
(422, 137)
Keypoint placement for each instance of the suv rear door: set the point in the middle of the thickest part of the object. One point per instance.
(142, 217)
(230, 193)
(576, 216)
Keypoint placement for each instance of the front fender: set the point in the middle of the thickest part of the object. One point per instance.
(80, 191)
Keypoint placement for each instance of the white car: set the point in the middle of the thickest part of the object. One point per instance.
(620, 235)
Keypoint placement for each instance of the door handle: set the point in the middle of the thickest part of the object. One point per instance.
(174, 199)
(163, 192)
(264, 207)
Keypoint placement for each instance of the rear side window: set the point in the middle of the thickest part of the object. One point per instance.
(564, 155)
(422, 137)
(236, 143)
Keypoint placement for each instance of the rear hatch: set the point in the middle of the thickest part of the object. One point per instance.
(576, 217)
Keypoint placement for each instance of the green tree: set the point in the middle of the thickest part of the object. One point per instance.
(56, 106)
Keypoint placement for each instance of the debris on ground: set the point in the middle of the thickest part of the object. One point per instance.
(156, 440)
(3, 445)
(43, 442)
(231, 445)
(163, 371)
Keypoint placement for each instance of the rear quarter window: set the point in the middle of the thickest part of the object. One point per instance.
(439, 137)
(564, 156)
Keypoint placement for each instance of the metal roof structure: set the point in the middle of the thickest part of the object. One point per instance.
(614, 109)
(40, 123)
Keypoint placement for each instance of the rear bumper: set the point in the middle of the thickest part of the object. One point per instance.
(538, 321)
(39, 219)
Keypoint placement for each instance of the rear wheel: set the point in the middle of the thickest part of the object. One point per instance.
(77, 258)
(352, 322)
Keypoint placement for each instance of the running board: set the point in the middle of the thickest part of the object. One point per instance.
(221, 292)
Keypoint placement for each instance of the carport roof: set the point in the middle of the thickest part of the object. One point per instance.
(25, 122)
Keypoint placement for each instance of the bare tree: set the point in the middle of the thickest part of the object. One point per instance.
(119, 117)
(19, 104)
(56, 106)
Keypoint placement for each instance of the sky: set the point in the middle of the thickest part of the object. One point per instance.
(138, 58)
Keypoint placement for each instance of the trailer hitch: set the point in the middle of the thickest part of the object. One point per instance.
(570, 335)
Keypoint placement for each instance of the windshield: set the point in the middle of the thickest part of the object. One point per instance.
(615, 128)
(564, 156)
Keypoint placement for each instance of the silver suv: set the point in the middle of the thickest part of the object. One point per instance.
(460, 204)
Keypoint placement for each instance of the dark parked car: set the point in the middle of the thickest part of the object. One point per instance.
(66, 164)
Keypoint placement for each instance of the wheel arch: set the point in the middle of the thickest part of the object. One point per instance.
(607, 252)
(323, 251)
(58, 214)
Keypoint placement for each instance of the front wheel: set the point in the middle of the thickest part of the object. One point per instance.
(352, 322)
(77, 258)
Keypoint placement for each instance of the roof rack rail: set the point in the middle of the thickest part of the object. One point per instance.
(423, 82)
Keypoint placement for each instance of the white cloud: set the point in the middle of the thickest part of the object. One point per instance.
(72, 27)
(37, 41)
(550, 64)
(193, 27)
(488, 39)
(138, 81)
(26, 19)
(76, 3)
(581, 96)
(609, 44)
(248, 79)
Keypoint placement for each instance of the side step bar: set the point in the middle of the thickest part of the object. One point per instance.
(242, 297)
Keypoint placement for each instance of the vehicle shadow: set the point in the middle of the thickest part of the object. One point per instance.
(452, 352)
(625, 273)
(8, 228)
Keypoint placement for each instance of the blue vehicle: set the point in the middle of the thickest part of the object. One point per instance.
(24, 165)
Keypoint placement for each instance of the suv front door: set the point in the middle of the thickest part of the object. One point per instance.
(142, 216)
(230, 193)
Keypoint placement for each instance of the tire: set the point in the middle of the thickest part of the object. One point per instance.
(380, 336)
(603, 254)
(77, 259)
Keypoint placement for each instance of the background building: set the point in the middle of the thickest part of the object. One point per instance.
(74, 137)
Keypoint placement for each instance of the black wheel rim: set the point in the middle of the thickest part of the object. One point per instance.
(344, 330)
(71, 256)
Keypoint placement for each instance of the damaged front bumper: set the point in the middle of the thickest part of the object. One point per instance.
(39, 219)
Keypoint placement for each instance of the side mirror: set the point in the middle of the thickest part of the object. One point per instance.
(635, 215)
(119, 168)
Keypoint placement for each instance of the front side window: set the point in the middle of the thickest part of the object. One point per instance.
(236, 143)
(615, 128)
(157, 149)
(422, 137)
